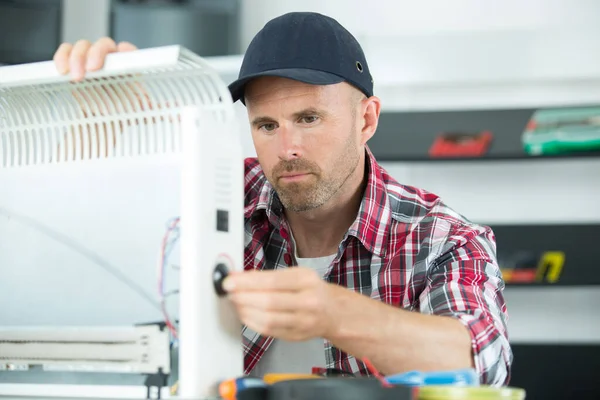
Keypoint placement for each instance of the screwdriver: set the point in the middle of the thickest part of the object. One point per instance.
(229, 389)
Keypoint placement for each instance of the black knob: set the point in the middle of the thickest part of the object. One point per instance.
(219, 274)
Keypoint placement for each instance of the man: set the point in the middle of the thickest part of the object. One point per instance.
(382, 271)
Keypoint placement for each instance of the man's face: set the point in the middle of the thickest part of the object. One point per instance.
(307, 138)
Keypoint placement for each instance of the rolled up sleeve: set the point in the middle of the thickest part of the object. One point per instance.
(465, 282)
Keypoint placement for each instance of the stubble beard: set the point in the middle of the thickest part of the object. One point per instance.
(316, 190)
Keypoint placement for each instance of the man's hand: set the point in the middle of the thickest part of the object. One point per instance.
(295, 304)
(292, 304)
(84, 56)
(77, 60)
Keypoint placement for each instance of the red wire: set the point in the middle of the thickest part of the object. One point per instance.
(162, 253)
(168, 322)
(371, 368)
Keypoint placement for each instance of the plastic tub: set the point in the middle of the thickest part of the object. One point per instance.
(470, 393)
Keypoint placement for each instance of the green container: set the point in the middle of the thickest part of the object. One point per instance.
(556, 131)
(470, 393)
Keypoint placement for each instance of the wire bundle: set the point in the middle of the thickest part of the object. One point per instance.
(169, 240)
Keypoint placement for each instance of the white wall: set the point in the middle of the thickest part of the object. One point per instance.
(553, 315)
(85, 19)
(408, 17)
(464, 54)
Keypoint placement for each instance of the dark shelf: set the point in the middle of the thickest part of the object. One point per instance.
(561, 371)
(495, 157)
(525, 247)
(407, 136)
(548, 285)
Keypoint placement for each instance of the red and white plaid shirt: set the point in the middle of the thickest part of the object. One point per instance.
(405, 248)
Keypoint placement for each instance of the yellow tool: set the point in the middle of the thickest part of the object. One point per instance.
(273, 378)
(551, 263)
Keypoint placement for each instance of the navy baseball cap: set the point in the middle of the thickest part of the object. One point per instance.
(307, 47)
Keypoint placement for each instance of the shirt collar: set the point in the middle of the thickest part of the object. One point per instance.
(372, 223)
(374, 217)
(269, 203)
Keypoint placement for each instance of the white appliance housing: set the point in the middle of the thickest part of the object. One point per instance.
(90, 172)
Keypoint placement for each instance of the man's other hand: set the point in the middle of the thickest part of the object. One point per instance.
(84, 56)
(292, 304)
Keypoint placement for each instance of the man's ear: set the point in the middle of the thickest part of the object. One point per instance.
(371, 109)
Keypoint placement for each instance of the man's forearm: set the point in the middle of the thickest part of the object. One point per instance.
(396, 340)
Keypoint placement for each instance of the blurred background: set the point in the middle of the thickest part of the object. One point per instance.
(493, 105)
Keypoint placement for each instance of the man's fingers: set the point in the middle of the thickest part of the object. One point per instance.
(125, 46)
(268, 301)
(296, 278)
(83, 56)
(97, 53)
(78, 58)
(61, 58)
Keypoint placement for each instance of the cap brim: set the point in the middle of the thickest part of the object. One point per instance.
(309, 76)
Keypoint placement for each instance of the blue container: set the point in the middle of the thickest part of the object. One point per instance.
(459, 377)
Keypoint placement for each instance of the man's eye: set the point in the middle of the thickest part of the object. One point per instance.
(268, 127)
(309, 119)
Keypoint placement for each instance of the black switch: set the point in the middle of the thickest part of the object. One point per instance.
(219, 274)
(222, 221)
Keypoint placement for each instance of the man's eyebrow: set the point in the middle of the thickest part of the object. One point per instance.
(262, 120)
(309, 111)
(298, 114)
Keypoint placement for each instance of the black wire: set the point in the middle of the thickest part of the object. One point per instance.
(90, 255)
(171, 293)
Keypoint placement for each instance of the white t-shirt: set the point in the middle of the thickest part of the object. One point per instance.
(296, 357)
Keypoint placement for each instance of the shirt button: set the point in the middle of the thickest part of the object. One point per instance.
(287, 258)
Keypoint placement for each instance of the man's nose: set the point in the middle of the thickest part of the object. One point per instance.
(290, 143)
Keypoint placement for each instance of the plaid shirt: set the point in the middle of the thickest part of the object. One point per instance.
(406, 248)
